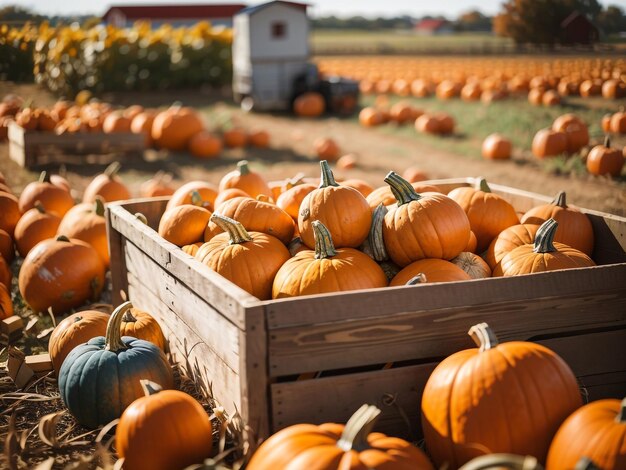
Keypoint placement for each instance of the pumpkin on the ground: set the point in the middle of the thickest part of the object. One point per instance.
(142, 325)
(108, 185)
(76, 329)
(245, 179)
(9, 212)
(413, 174)
(427, 225)
(326, 149)
(326, 269)
(343, 210)
(158, 185)
(604, 160)
(435, 270)
(171, 419)
(310, 104)
(59, 273)
(99, 379)
(496, 147)
(247, 259)
(549, 143)
(53, 198)
(543, 255)
(596, 431)
(574, 228)
(488, 213)
(518, 382)
(34, 226)
(235, 137)
(205, 145)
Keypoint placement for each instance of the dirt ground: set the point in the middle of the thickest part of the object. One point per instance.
(292, 152)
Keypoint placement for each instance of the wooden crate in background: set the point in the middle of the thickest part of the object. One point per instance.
(34, 149)
(374, 346)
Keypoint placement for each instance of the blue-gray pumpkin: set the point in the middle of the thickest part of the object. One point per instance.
(100, 378)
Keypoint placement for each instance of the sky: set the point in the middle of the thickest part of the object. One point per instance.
(370, 8)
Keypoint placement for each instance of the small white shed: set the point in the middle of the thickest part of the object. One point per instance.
(270, 53)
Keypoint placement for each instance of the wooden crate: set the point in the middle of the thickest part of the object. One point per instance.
(255, 354)
(33, 149)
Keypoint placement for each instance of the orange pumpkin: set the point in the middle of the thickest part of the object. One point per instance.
(7, 250)
(551, 98)
(434, 270)
(549, 143)
(34, 226)
(173, 128)
(326, 149)
(429, 225)
(108, 185)
(142, 124)
(618, 122)
(421, 88)
(334, 446)
(471, 92)
(54, 199)
(606, 123)
(574, 229)
(170, 417)
(596, 431)
(471, 243)
(9, 212)
(259, 216)
(142, 325)
(473, 265)
(543, 255)
(326, 269)
(5, 273)
(183, 195)
(158, 185)
(235, 138)
(193, 248)
(250, 182)
(184, 224)
(205, 145)
(468, 387)
(488, 213)
(361, 186)
(347, 162)
(613, 89)
(227, 194)
(61, 274)
(249, 260)
(76, 329)
(509, 239)
(133, 111)
(384, 195)
(6, 304)
(535, 96)
(27, 119)
(604, 160)
(309, 104)
(259, 138)
(414, 175)
(590, 88)
(427, 123)
(86, 222)
(343, 210)
(401, 113)
(116, 122)
(290, 200)
(496, 147)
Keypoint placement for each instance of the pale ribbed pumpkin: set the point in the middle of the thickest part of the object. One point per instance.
(473, 265)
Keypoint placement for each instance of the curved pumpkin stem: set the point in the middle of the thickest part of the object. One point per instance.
(481, 184)
(128, 316)
(39, 206)
(420, 278)
(243, 167)
(511, 461)
(358, 427)
(560, 200)
(585, 463)
(607, 141)
(141, 218)
(62, 238)
(621, 416)
(483, 336)
(112, 169)
(113, 340)
(327, 178)
(236, 232)
(545, 237)
(324, 247)
(99, 206)
(374, 245)
(149, 387)
(196, 198)
(401, 189)
(44, 177)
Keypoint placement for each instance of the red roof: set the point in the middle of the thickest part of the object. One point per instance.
(138, 12)
(431, 24)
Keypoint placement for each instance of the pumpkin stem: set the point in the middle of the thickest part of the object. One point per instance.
(112, 169)
(141, 218)
(149, 387)
(358, 427)
(419, 279)
(483, 336)
(607, 141)
(44, 177)
(481, 184)
(113, 341)
(401, 189)
(324, 247)
(560, 200)
(39, 206)
(545, 237)
(129, 317)
(510, 461)
(327, 178)
(585, 463)
(374, 245)
(196, 198)
(99, 206)
(621, 416)
(243, 167)
(262, 198)
(236, 232)
(62, 238)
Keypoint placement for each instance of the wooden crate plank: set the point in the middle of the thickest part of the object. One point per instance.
(216, 331)
(224, 296)
(432, 333)
(474, 294)
(334, 399)
(119, 278)
(189, 350)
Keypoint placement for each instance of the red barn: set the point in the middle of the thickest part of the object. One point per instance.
(177, 15)
(578, 29)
